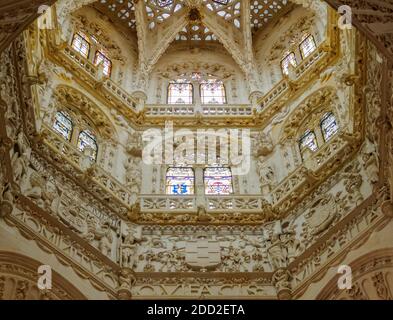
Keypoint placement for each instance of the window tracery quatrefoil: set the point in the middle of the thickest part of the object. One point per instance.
(123, 10)
(160, 10)
(262, 11)
(229, 10)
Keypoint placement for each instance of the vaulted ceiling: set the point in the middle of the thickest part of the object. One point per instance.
(160, 23)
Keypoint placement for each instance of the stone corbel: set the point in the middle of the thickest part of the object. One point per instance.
(281, 280)
(140, 97)
(7, 197)
(254, 97)
(387, 208)
(126, 282)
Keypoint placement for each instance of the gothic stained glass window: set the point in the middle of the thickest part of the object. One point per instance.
(81, 44)
(180, 92)
(218, 181)
(213, 92)
(63, 124)
(180, 181)
(307, 46)
(87, 139)
(329, 126)
(106, 63)
(308, 141)
(289, 59)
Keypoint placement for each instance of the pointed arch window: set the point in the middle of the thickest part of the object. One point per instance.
(180, 181)
(63, 124)
(180, 92)
(307, 46)
(101, 58)
(329, 126)
(308, 141)
(81, 44)
(87, 139)
(218, 181)
(213, 92)
(290, 59)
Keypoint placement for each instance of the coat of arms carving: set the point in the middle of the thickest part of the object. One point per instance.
(202, 254)
(321, 214)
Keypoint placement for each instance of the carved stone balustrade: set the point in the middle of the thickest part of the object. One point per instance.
(310, 66)
(75, 157)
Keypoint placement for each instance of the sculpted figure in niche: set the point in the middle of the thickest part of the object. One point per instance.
(278, 254)
(128, 249)
(20, 158)
(103, 234)
(133, 175)
(6, 200)
(20, 166)
(52, 197)
(266, 177)
(34, 188)
(370, 161)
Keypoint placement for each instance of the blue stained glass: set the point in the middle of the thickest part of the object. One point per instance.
(180, 181)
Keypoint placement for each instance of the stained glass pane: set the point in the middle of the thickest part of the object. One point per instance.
(180, 92)
(218, 181)
(307, 46)
(87, 139)
(213, 92)
(290, 59)
(63, 124)
(329, 126)
(309, 141)
(81, 44)
(180, 181)
(106, 63)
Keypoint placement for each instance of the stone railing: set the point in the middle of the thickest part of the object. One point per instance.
(167, 203)
(170, 110)
(95, 76)
(311, 63)
(81, 162)
(307, 172)
(118, 92)
(191, 110)
(311, 60)
(227, 110)
(246, 203)
(213, 204)
(85, 64)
